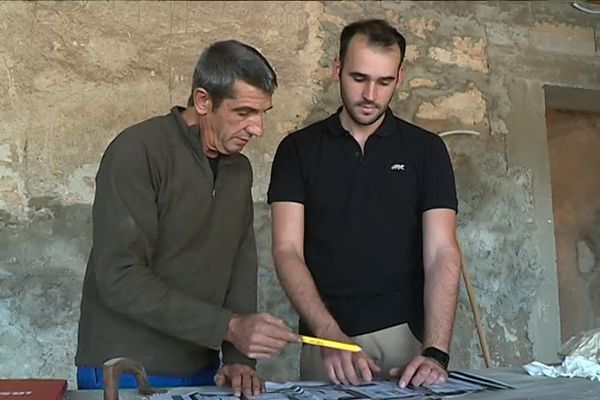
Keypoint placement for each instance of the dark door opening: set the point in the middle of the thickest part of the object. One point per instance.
(574, 150)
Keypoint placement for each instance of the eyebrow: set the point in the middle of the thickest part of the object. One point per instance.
(252, 109)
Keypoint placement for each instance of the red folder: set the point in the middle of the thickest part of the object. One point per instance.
(32, 389)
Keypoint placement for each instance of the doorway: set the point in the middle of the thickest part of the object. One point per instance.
(573, 129)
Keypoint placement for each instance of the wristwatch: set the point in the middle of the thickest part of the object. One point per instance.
(438, 355)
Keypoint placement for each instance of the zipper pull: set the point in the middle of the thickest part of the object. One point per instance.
(213, 193)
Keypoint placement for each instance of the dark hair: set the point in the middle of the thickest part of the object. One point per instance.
(222, 63)
(378, 33)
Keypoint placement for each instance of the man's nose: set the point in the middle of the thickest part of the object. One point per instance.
(370, 91)
(256, 127)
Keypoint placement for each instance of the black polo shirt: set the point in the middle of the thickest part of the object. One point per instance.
(363, 235)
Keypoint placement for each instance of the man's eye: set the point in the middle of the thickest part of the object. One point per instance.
(359, 79)
(243, 113)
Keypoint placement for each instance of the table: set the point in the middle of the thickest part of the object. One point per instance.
(536, 387)
(527, 387)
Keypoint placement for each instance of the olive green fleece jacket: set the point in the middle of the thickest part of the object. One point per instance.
(173, 253)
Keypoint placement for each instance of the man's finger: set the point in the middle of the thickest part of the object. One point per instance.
(339, 371)
(331, 372)
(262, 348)
(219, 379)
(349, 370)
(266, 344)
(236, 384)
(260, 356)
(247, 383)
(268, 333)
(407, 374)
(282, 335)
(257, 385)
(432, 377)
(362, 364)
(271, 319)
(373, 365)
(421, 375)
(441, 379)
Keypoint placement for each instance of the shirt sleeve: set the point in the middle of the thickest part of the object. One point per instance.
(438, 186)
(242, 291)
(286, 183)
(125, 231)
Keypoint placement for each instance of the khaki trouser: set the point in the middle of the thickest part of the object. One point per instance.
(389, 348)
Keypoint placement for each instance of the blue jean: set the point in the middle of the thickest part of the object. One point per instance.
(91, 378)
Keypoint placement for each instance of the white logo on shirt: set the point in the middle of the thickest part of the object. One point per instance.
(397, 167)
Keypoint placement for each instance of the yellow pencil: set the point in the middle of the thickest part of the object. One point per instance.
(330, 343)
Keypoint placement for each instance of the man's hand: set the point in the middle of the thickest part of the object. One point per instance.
(241, 379)
(345, 367)
(259, 335)
(420, 371)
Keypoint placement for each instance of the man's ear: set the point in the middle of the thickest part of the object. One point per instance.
(400, 77)
(336, 68)
(202, 101)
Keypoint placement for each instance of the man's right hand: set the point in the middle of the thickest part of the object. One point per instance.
(345, 367)
(259, 335)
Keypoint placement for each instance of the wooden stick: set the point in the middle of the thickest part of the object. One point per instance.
(473, 302)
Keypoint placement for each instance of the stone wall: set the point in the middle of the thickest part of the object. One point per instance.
(74, 74)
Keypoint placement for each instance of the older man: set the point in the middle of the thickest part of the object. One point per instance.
(171, 279)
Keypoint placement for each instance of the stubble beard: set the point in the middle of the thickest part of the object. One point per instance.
(350, 109)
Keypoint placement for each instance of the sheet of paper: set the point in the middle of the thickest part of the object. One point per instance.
(272, 386)
(476, 379)
(201, 393)
(311, 390)
(454, 386)
(380, 389)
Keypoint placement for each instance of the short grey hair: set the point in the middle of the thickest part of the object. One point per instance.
(224, 62)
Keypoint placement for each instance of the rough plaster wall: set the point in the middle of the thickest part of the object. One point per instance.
(72, 75)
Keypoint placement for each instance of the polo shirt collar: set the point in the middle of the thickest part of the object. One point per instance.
(387, 127)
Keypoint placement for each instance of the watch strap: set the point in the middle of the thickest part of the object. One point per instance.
(438, 355)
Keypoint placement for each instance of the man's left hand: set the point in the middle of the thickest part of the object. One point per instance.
(420, 371)
(241, 379)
